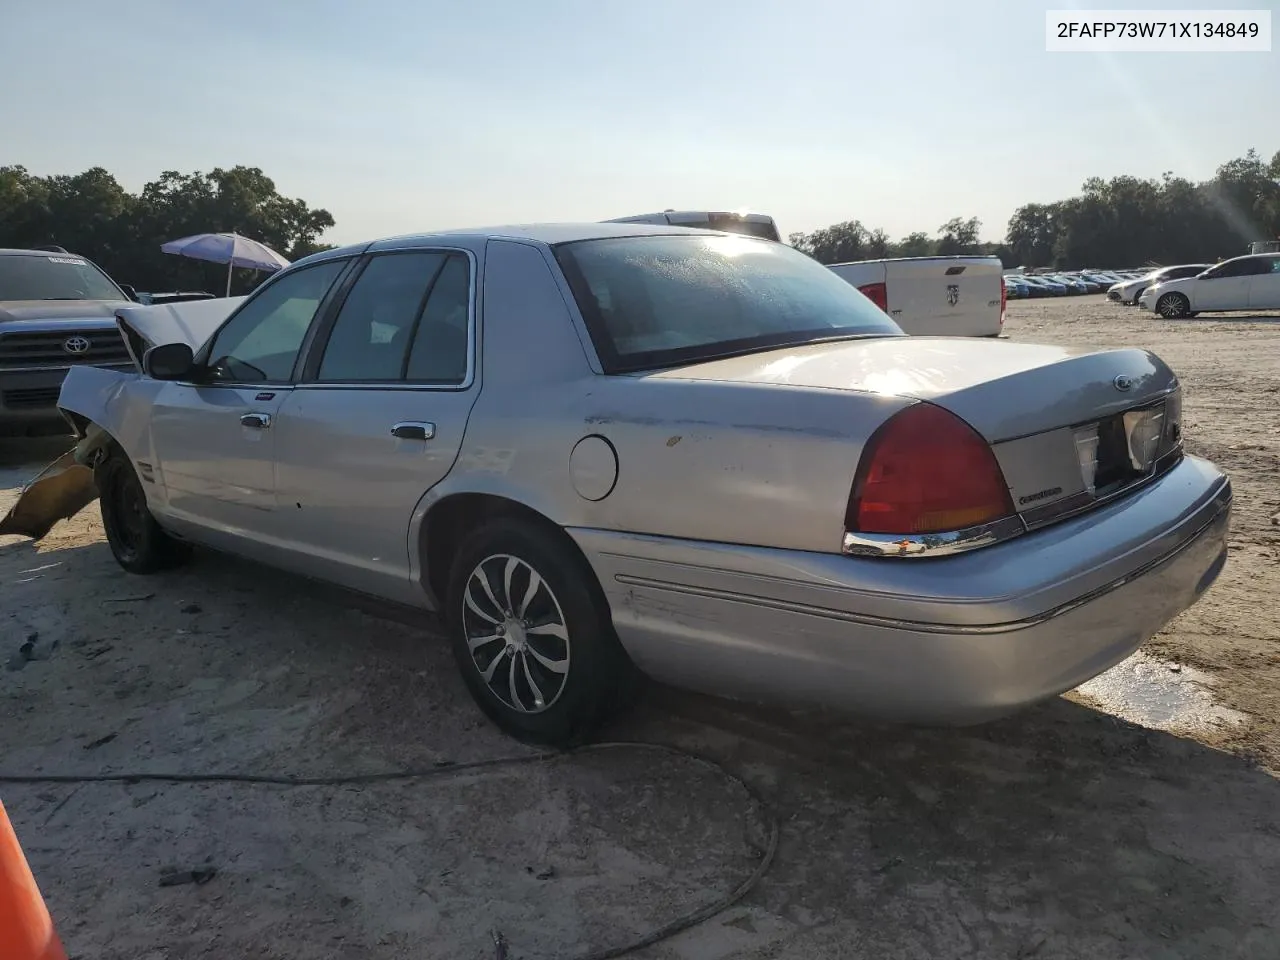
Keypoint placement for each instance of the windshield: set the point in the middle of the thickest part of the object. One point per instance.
(659, 301)
(54, 276)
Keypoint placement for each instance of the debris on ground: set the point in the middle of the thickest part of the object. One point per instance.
(178, 876)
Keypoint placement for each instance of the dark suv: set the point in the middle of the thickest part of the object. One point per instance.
(57, 310)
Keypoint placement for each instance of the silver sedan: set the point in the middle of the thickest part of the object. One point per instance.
(607, 451)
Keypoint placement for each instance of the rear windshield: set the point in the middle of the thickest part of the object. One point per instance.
(53, 276)
(660, 301)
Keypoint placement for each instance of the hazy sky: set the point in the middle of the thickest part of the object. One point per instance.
(407, 115)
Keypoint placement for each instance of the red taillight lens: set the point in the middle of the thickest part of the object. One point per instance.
(1004, 300)
(877, 294)
(926, 471)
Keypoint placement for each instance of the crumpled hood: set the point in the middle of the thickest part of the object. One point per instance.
(191, 322)
(60, 309)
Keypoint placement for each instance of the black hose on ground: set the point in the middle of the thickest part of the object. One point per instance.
(448, 768)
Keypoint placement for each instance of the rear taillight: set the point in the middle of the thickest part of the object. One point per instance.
(1004, 300)
(926, 471)
(877, 294)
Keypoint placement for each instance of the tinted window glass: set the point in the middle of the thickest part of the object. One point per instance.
(659, 301)
(371, 336)
(439, 353)
(1235, 268)
(1275, 265)
(54, 276)
(261, 342)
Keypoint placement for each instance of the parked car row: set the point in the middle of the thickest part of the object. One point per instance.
(1130, 291)
(1020, 286)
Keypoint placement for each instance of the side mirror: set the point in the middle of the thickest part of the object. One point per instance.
(129, 291)
(169, 361)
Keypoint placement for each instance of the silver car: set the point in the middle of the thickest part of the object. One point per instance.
(607, 451)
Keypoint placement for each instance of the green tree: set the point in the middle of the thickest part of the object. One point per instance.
(92, 214)
(958, 236)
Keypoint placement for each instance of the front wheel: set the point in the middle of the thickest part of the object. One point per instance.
(1173, 306)
(136, 540)
(532, 634)
(1137, 297)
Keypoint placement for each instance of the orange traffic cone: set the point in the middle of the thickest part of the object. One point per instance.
(26, 932)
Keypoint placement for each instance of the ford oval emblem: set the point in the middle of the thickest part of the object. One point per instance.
(1123, 384)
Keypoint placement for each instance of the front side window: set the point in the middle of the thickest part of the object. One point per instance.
(260, 344)
(655, 301)
(54, 276)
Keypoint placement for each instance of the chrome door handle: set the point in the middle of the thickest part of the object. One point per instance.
(413, 430)
(259, 421)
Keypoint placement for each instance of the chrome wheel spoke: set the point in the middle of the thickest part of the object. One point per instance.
(549, 630)
(555, 666)
(487, 587)
(473, 643)
(474, 607)
(512, 563)
(511, 686)
(539, 700)
(490, 670)
(535, 583)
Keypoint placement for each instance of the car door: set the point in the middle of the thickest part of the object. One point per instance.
(377, 418)
(1264, 291)
(1225, 287)
(213, 437)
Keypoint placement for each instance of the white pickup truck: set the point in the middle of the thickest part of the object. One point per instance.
(926, 296)
(934, 296)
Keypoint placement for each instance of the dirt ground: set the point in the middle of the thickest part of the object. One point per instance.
(1065, 832)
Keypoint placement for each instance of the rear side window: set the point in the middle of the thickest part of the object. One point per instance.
(439, 353)
(1244, 267)
(371, 335)
(405, 319)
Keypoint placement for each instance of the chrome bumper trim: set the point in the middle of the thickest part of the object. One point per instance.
(1222, 498)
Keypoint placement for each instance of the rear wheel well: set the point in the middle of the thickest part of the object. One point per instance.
(449, 522)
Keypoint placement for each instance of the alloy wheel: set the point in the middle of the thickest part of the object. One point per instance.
(516, 633)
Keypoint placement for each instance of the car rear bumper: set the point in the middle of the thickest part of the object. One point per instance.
(956, 640)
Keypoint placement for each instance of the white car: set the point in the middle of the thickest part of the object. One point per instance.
(1131, 289)
(1243, 283)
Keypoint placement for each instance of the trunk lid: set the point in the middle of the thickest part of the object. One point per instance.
(1069, 426)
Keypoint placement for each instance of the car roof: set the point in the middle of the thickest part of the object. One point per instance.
(14, 252)
(548, 233)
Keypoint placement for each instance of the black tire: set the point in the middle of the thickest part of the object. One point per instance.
(1138, 296)
(1173, 306)
(574, 628)
(136, 540)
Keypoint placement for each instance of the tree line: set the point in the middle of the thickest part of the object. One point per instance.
(1122, 222)
(91, 214)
